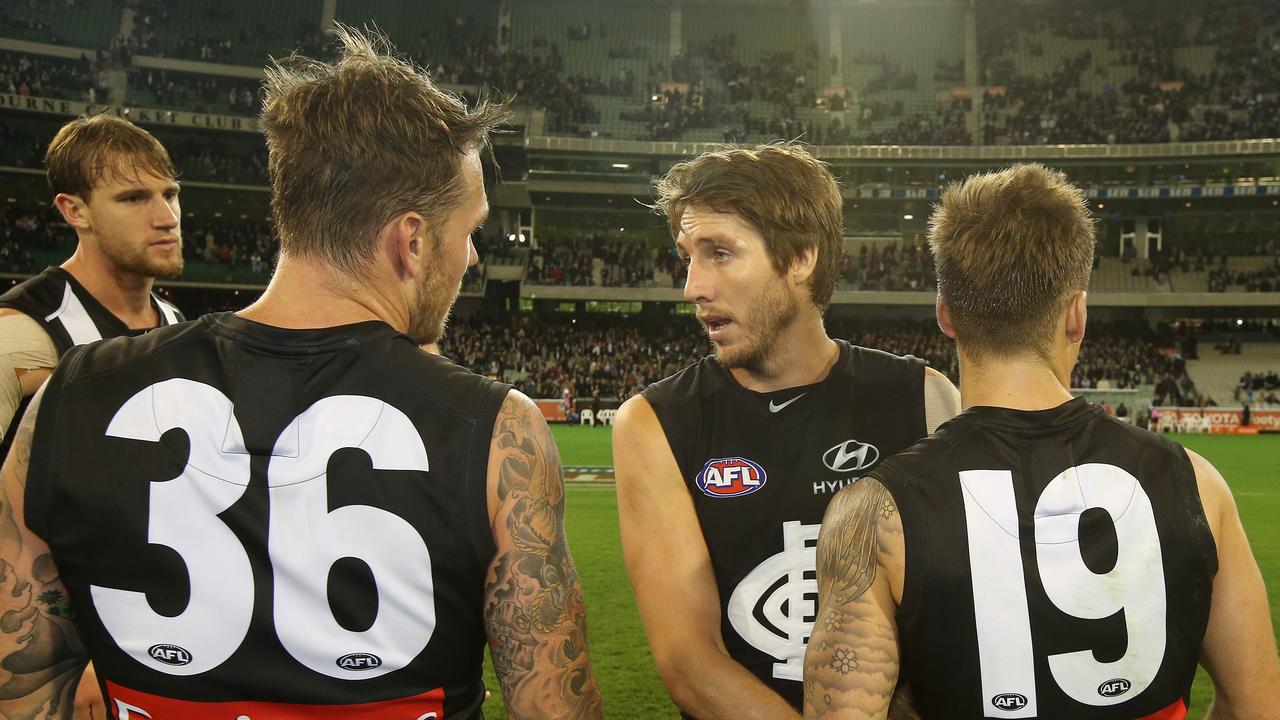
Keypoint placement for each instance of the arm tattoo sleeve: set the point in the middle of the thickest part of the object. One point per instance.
(851, 667)
(534, 610)
(41, 656)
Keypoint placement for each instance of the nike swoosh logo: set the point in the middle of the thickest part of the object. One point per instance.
(775, 407)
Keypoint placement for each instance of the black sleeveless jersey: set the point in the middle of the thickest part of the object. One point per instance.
(268, 523)
(71, 316)
(761, 468)
(1058, 565)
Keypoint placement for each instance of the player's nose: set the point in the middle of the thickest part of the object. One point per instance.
(473, 256)
(697, 285)
(166, 215)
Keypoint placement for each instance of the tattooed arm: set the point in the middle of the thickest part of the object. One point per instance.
(41, 656)
(851, 667)
(670, 569)
(534, 613)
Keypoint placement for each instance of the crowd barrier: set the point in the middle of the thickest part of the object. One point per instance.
(553, 408)
(1219, 419)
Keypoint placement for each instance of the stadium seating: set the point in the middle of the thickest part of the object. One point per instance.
(1217, 375)
(593, 39)
(86, 24)
(241, 33)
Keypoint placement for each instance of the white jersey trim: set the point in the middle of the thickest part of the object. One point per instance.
(75, 319)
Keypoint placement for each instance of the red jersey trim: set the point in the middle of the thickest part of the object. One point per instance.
(130, 704)
(1176, 711)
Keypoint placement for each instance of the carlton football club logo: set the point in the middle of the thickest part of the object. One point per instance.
(773, 607)
(730, 477)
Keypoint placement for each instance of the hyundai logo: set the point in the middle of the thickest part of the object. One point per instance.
(851, 456)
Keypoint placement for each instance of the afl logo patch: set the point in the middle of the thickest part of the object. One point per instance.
(1010, 701)
(359, 661)
(730, 477)
(169, 654)
(1114, 688)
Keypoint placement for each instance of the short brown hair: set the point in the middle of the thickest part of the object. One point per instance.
(353, 143)
(780, 189)
(1010, 248)
(87, 148)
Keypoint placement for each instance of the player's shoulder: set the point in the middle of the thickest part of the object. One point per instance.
(686, 385)
(42, 289)
(926, 454)
(1140, 437)
(397, 365)
(870, 365)
(105, 356)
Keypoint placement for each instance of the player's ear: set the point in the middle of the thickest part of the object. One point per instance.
(73, 209)
(407, 243)
(803, 265)
(944, 318)
(1077, 315)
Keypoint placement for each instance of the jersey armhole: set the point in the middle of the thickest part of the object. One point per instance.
(915, 541)
(691, 418)
(38, 494)
(1188, 470)
(477, 471)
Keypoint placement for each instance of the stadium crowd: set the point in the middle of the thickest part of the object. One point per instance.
(601, 261)
(200, 93)
(588, 357)
(1229, 91)
(1266, 279)
(33, 75)
(1164, 99)
(893, 266)
(616, 356)
(1258, 388)
(611, 356)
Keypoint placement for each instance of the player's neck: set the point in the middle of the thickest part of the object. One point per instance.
(802, 354)
(305, 293)
(125, 295)
(1024, 383)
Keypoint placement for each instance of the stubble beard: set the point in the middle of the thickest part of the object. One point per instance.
(773, 310)
(140, 264)
(428, 321)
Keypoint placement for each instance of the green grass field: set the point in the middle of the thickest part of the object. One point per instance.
(630, 683)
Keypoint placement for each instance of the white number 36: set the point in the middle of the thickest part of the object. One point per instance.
(304, 538)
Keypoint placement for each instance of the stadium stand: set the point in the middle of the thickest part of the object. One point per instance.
(614, 357)
(1220, 375)
(893, 74)
(155, 88)
(81, 23)
(1260, 388)
(715, 70)
(1128, 72)
(33, 75)
(590, 358)
(218, 32)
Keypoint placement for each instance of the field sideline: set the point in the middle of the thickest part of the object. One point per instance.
(630, 683)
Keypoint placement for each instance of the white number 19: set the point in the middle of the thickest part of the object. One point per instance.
(1134, 586)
